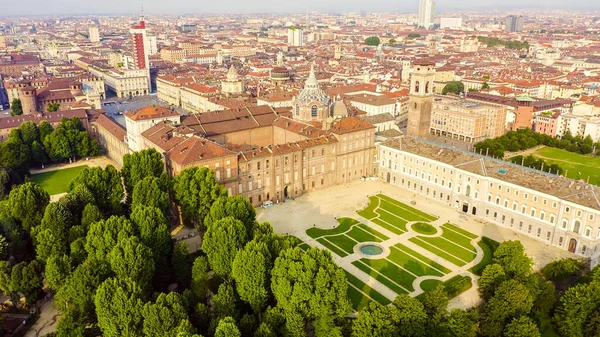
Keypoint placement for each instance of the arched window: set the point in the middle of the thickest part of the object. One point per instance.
(417, 87)
(314, 111)
(564, 224)
(577, 226)
(468, 192)
(297, 110)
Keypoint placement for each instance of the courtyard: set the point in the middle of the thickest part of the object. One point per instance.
(390, 241)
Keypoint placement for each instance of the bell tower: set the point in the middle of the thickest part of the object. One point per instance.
(421, 99)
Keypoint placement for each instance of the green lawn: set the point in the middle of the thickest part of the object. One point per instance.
(421, 258)
(345, 224)
(368, 212)
(362, 236)
(430, 284)
(343, 242)
(56, 182)
(407, 208)
(437, 251)
(398, 275)
(489, 247)
(392, 219)
(424, 228)
(332, 247)
(358, 298)
(578, 165)
(383, 279)
(388, 226)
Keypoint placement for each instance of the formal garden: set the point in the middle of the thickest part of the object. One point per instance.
(57, 181)
(403, 249)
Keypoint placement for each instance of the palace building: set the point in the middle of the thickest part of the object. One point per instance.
(558, 211)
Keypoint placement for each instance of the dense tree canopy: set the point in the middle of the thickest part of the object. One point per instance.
(196, 190)
(455, 87)
(238, 207)
(139, 165)
(27, 203)
(16, 107)
(119, 307)
(222, 241)
(104, 184)
(372, 41)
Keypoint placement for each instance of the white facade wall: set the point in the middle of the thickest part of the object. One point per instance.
(537, 215)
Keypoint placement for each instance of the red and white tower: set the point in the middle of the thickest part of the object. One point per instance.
(139, 45)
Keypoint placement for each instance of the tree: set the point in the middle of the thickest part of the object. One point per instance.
(104, 235)
(511, 299)
(139, 165)
(200, 277)
(52, 107)
(4, 247)
(575, 307)
(224, 302)
(392, 41)
(455, 87)
(485, 85)
(559, 270)
(16, 108)
(182, 264)
(372, 41)
(461, 323)
(155, 234)
(79, 290)
(119, 308)
(105, 185)
(58, 269)
(435, 301)
(250, 271)
(409, 314)
(26, 278)
(521, 327)
(71, 324)
(132, 259)
(493, 275)
(150, 192)
(195, 191)
(414, 35)
(511, 256)
(310, 284)
(222, 242)
(58, 146)
(238, 207)
(374, 320)
(90, 214)
(29, 132)
(49, 244)
(227, 328)
(45, 129)
(27, 203)
(167, 317)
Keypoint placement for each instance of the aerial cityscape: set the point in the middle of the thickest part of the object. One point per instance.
(300, 169)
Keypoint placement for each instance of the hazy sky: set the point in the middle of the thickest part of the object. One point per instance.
(40, 7)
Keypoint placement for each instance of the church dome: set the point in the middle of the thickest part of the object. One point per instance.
(312, 92)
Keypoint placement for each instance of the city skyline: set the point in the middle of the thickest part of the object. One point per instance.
(110, 7)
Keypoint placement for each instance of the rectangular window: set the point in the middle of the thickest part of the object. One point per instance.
(240, 189)
(296, 176)
(228, 173)
(322, 168)
(249, 186)
(217, 175)
(277, 181)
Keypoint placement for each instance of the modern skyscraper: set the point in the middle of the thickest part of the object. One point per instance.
(426, 13)
(139, 43)
(295, 36)
(94, 34)
(421, 99)
(514, 24)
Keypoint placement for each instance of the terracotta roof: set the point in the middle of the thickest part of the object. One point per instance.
(194, 149)
(150, 112)
(112, 127)
(350, 124)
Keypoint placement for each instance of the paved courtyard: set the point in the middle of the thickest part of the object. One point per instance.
(422, 242)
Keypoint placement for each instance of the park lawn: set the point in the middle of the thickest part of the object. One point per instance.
(343, 241)
(459, 230)
(369, 211)
(426, 216)
(332, 247)
(452, 248)
(362, 236)
(424, 228)
(430, 284)
(411, 264)
(489, 247)
(578, 165)
(399, 211)
(345, 224)
(56, 182)
(304, 246)
(457, 238)
(399, 275)
(437, 251)
(393, 220)
(422, 258)
(388, 226)
(372, 231)
(359, 303)
(383, 279)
